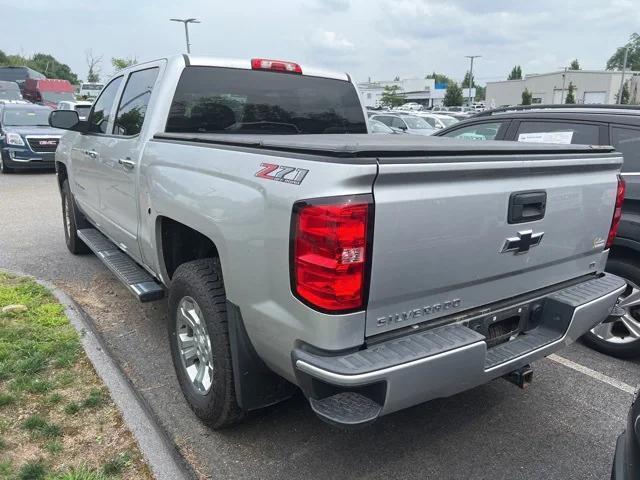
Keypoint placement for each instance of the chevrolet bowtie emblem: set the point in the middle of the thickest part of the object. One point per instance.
(523, 242)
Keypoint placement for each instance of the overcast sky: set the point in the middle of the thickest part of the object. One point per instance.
(367, 38)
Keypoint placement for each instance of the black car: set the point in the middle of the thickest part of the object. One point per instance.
(593, 125)
(26, 139)
(626, 464)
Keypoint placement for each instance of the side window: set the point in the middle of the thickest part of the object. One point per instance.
(627, 141)
(558, 132)
(99, 118)
(397, 123)
(134, 101)
(384, 119)
(479, 131)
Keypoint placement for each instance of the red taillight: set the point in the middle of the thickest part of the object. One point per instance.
(617, 212)
(330, 252)
(275, 65)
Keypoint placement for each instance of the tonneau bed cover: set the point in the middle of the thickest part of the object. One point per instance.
(380, 146)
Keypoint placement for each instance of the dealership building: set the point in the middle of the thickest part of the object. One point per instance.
(591, 86)
(424, 91)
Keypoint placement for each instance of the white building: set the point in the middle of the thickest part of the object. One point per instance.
(591, 86)
(419, 90)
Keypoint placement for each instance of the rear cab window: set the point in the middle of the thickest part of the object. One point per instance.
(540, 131)
(480, 131)
(239, 101)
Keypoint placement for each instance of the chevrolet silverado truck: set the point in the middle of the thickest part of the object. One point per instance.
(297, 251)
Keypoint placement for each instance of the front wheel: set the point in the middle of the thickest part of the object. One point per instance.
(3, 166)
(199, 338)
(620, 337)
(72, 219)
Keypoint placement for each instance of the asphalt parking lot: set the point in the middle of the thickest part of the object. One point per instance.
(564, 426)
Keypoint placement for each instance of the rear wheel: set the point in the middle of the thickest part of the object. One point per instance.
(199, 338)
(620, 337)
(72, 220)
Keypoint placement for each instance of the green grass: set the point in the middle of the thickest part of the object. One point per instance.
(117, 465)
(6, 399)
(72, 408)
(6, 469)
(33, 340)
(34, 470)
(54, 447)
(53, 399)
(82, 473)
(38, 426)
(95, 399)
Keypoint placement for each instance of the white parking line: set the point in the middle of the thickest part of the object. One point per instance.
(592, 373)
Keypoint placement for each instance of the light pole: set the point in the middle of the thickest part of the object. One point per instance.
(186, 22)
(624, 69)
(564, 78)
(470, 85)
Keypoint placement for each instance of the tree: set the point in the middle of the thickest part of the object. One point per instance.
(468, 80)
(51, 67)
(625, 94)
(120, 63)
(391, 96)
(633, 58)
(397, 79)
(3, 58)
(516, 73)
(481, 93)
(439, 78)
(527, 97)
(571, 96)
(575, 65)
(453, 96)
(93, 63)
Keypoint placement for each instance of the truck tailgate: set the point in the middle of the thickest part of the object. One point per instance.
(443, 242)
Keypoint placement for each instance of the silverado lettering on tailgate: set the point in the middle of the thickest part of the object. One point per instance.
(417, 312)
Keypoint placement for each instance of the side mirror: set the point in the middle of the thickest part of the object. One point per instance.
(66, 120)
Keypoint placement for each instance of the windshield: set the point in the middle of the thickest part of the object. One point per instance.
(417, 123)
(229, 100)
(26, 117)
(379, 127)
(10, 94)
(55, 97)
(91, 86)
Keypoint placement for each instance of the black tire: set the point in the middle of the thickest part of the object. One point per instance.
(202, 281)
(3, 167)
(629, 269)
(72, 220)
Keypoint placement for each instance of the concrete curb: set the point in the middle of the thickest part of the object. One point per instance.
(155, 444)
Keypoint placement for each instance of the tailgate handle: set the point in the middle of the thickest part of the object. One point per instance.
(527, 206)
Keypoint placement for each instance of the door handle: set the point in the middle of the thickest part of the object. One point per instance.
(91, 153)
(127, 163)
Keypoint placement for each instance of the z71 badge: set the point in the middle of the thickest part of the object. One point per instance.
(280, 173)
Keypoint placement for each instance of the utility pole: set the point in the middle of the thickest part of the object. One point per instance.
(624, 68)
(564, 78)
(470, 85)
(186, 22)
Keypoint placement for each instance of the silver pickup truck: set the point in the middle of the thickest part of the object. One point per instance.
(372, 272)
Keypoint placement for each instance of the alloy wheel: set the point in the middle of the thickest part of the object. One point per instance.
(194, 345)
(625, 329)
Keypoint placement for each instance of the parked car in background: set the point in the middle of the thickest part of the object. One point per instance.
(48, 92)
(626, 463)
(26, 139)
(82, 107)
(376, 126)
(297, 250)
(439, 108)
(461, 113)
(437, 121)
(10, 92)
(90, 90)
(410, 106)
(19, 75)
(614, 125)
(405, 123)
